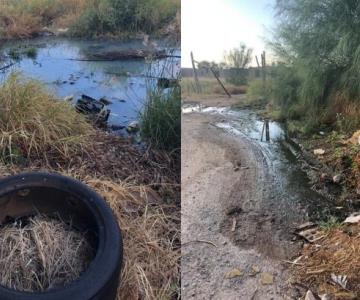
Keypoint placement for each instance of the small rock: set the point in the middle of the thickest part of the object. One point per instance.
(319, 151)
(337, 178)
(310, 296)
(69, 98)
(236, 169)
(353, 218)
(321, 132)
(234, 273)
(254, 271)
(267, 278)
(133, 127)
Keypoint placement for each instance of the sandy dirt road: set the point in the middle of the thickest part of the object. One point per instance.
(228, 220)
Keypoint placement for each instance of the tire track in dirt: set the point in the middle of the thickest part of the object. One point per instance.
(226, 179)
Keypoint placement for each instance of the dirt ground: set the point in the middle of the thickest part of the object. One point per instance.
(227, 221)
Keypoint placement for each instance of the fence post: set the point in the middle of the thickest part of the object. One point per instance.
(197, 83)
(267, 130)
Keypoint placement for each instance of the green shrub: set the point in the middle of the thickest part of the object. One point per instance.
(125, 16)
(257, 90)
(33, 124)
(161, 119)
(319, 43)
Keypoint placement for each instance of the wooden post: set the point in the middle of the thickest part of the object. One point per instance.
(219, 81)
(197, 83)
(263, 64)
(267, 130)
(257, 61)
(258, 67)
(262, 132)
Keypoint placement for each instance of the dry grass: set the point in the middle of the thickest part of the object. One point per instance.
(209, 86)
(39, 253)
(151, 233)
(26, 18)
(34, 125)
(338, 253)
(142, 187)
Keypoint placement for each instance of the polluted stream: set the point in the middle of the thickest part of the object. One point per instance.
(67, 68)
(290, 193)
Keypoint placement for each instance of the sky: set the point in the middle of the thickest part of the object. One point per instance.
(210, 27)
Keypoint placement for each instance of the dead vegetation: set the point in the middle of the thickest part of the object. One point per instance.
(209, 86)
(150, 228)
(41, 253)
(340, 158)
(141, 185)
(34, 125)
(332, 266)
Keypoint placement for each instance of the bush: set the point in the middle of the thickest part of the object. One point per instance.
(319, 43)
(161, 120)
(33, 124)
(125, 16)
(25, 18)
(236, 61)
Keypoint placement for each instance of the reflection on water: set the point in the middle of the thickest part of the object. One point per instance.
(61, 64)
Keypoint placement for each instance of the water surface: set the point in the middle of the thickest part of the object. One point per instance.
(60, 64)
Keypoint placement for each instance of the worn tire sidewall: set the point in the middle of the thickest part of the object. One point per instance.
(101, 279)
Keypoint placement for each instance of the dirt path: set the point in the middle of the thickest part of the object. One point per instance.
(224, 203)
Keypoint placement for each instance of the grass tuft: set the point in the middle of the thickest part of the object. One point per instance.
(161, 119)
(33, 124)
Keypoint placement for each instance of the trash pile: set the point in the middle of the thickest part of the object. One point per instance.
(329, 264)
(96, 110)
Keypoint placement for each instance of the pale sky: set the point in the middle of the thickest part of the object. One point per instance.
(209, 27)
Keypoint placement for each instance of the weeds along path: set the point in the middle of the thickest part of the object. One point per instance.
(234, 239)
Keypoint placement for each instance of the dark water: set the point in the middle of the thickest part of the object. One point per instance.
(291, 191)
(121, 82)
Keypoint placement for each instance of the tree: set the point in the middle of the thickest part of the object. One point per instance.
(206, 65)
(237, 60)
(320, 41)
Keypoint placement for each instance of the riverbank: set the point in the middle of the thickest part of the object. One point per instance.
(239, 208)
(329, 157)
(142, 185)
(115, 18)
(217, 127)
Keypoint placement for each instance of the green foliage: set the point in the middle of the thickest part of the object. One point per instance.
(237, 60)
(34, 124)
(85, 18)
(122, 16)
(257, 90)
(31, 52)
(331, 223)
(319, 43)
(208, 65)
(161, 119)
(17, 54)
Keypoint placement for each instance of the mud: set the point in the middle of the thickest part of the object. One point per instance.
(242, 195)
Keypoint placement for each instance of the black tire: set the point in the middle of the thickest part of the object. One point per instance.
(69, 198)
